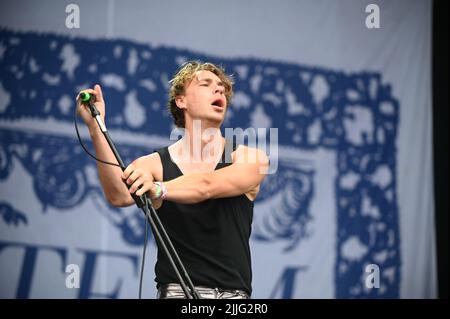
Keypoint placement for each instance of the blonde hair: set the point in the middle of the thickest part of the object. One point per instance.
(184, 76)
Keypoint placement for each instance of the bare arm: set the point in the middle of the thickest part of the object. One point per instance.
(113, 186)
(242, 177)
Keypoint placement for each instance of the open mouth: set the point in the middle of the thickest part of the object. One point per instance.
(218, 103)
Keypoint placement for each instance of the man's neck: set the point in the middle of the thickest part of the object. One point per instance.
(201, 143)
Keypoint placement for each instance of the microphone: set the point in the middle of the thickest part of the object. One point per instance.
(86, 97)
(89, 99)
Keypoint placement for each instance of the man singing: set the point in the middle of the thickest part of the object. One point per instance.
(203, 186)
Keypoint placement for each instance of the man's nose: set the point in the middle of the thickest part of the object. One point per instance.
(219, 89)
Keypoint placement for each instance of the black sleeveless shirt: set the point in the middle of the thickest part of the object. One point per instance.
(211, 237)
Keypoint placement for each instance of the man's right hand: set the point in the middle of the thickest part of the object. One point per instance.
(83, 109)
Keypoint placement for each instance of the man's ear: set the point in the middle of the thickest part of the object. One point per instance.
(180, 101)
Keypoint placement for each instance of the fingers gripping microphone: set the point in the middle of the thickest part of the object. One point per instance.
(90, 99)
(85, 97)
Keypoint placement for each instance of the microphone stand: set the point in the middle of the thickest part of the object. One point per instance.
(143, 202)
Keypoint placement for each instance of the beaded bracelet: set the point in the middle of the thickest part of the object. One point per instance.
(161, 190)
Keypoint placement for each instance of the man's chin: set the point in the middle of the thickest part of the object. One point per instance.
(216, 120)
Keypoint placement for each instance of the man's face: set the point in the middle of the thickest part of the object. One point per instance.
(204, 98)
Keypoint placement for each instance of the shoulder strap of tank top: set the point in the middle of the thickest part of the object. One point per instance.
(164, 154)
(170, 170)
